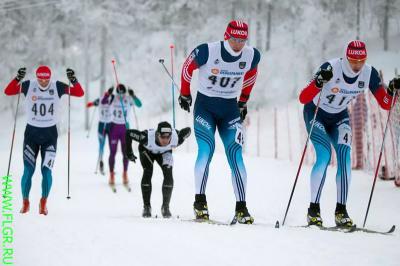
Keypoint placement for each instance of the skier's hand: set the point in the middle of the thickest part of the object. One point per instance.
(71, 76)
(185, 102)
(131, 156)
(131, 93)
(184, 133)
(110, 90)
(243, 110)
(21, 74)
(323, 76)
(394, 85)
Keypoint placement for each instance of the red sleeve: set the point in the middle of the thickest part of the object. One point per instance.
(248, 83)
(12, 88)
(309, 92)
(383, 98)
(187, 71)
(76, 90)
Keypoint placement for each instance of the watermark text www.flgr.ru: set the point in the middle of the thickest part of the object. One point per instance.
(7, 230)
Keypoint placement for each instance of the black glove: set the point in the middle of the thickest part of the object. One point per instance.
(323, 76)
(110, 90)
(394, 85)
(184, 133)
(185, 102)
(131, 156)
(242, 109)
(21, 74)
(131, 93)
(71, 75)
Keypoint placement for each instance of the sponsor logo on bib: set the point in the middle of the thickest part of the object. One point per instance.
(216, 62)
(335, 90)
(361, 84)
(215, 71)
(242, 65)
(51, 92)
(34, 98)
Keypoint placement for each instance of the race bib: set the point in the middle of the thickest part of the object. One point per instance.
(239, 135)
(345, 135)
(168, 160)
(49, 158)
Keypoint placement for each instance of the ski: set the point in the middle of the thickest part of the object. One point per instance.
(205, 221)
(351, 229)
(365, 230)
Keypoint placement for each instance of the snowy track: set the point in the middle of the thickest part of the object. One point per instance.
(98, 227)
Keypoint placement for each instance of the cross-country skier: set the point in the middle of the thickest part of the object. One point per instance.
(226, 69)
(120, 116)
(42, 100)
(103, 128)
(337, 82)
(156, 145)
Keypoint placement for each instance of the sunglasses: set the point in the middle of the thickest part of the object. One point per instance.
(238, 40)
(356, 61)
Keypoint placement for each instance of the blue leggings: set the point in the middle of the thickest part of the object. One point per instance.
(335, 130)
(35, 140)
(211, 113)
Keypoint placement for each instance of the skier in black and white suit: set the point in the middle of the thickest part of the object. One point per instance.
(156, 145)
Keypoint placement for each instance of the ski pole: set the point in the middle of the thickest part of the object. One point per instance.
(379, 159)
(161, 61)
(172, 84)
(91, 122)
(13, 137)
(301, 162)
(120, 95)
(69, 133)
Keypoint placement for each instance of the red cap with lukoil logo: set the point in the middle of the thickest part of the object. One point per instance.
(356, 50)
(43, 72)
(236, 29)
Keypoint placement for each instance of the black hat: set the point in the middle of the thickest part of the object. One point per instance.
(164, 129)
(121, 89)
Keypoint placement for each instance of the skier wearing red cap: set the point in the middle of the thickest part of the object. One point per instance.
(227, 70)
(336, 84)
(42, 100)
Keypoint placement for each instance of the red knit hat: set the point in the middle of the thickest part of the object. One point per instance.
(356, 50)
(43, 72)
(236, 29)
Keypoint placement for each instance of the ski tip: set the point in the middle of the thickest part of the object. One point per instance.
(392, 229)
(277, 224)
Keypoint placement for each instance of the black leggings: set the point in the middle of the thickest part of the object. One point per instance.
(147, 159)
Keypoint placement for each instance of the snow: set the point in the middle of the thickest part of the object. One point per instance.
(98, 227)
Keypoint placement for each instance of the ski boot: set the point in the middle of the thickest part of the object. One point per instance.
(342, 218)
(42, 206)
(25, 206)
(165, 211)
(314, 215)
(102, 168)
(242, 215)
(200, 207)
(111, 181)
(125, 179)
(146, 211)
